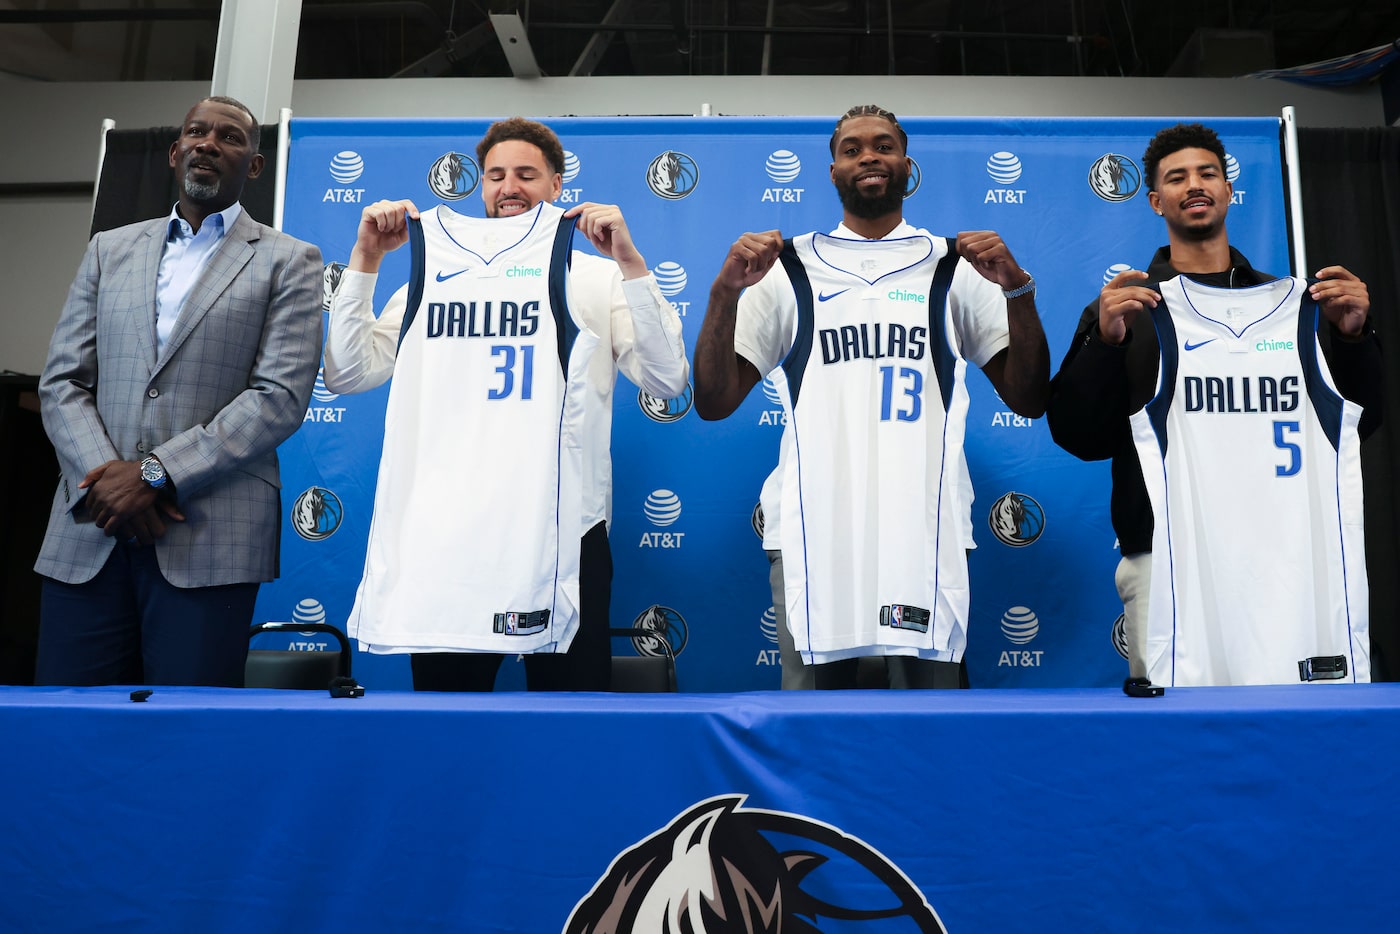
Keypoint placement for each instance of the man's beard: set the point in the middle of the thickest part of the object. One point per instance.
(869, 207)
(200, 191)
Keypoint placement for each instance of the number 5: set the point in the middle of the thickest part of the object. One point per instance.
(1295, 454)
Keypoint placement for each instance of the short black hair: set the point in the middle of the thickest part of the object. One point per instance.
(1174, 139)
(254, 127)
(870, 110)
(527, 131)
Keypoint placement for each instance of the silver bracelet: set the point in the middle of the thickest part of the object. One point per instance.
(1021, 290)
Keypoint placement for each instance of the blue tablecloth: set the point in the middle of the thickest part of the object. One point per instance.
(1084, 810)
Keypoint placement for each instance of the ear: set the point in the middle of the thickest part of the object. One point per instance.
(556, 187)
(174, 148)
(1155, 201)
(255, 165)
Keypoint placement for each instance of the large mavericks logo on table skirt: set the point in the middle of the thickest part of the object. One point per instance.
(720, 868)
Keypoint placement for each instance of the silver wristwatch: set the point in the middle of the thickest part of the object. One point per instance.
(153, 472)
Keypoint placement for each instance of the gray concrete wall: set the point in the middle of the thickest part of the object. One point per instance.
(55, 133)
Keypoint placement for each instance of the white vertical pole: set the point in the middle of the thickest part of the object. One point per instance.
(1295, 191)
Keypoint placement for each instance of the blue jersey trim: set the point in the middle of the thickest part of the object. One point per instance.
(944, 361)
(1325, 402)
(796, 363)
(560, 262)
(418, 261)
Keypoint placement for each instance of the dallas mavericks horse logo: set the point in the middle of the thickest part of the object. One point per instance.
(668, 626)
(331, 275)
(316, 514)
(720, 868)
(1016, 519)
(664, 410)
(1114, 178)
(454, 176)
(672, 175)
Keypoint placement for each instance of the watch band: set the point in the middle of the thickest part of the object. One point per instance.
(1021, 290)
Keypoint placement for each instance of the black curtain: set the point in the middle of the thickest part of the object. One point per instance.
(137, 183)
(1351, 218)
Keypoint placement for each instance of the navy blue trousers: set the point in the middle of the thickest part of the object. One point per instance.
(129, 625)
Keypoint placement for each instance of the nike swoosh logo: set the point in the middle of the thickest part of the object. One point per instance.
(823, 297)
(443, 277)
(1190, 346)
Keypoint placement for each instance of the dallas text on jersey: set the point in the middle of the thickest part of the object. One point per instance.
(1240, 394)
(482, 319)
(873, 342)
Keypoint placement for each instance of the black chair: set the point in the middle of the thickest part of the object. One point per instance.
(302, 671)
(652, 670)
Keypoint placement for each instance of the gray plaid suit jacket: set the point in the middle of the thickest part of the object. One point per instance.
(232, 384)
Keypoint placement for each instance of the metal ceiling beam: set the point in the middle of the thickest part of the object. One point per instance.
(454, 49)
(597, 46)
(515, 42)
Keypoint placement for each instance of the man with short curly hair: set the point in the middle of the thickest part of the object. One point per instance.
(1111, 367)
(490, 532)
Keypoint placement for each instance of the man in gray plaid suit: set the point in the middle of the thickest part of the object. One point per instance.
(185, 354)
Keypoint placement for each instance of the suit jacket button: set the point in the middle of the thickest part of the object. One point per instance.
(152, 392)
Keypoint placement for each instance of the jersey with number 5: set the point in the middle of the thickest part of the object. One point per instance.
(872, 500)
(1252, 464)
(478, 515)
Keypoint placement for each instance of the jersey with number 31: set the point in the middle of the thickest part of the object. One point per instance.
(478, 509)
(1252, 462)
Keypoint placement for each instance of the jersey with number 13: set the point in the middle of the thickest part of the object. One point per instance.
(872, 493)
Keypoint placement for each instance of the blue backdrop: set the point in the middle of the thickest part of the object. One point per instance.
(1066, 195)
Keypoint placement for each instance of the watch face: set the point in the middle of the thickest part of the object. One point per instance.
(152, 471)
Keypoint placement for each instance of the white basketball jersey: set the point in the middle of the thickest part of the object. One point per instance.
(1252, 463)
(871, 502)
(474, 544)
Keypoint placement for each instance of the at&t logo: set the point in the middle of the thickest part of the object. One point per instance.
(671, 280)
(775, 415)
(319, 393)
(783, 167)
(572, 167)
(662, 508)
(1114, 271)
(1114, 177)
(1232, 175)
(309, 611)
(1004, 169)
(345, 168)
(1020, 625)
(768, 625)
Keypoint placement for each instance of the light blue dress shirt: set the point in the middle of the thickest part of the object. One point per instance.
(185, 255)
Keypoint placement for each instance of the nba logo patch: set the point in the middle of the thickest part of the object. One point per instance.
(512, 622)
(896, 615)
